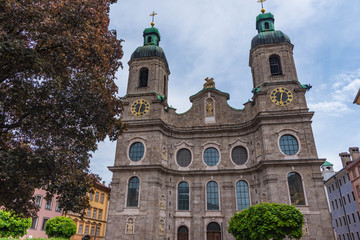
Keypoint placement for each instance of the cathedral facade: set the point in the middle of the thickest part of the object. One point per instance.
(183, 176)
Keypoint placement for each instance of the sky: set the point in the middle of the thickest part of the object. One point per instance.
(212, 39)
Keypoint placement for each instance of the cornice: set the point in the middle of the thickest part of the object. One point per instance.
(258, 167)
(262, 118)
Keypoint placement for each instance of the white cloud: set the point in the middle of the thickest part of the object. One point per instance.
(339, 95)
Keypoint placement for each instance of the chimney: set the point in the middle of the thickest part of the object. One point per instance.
(354, 153)
(345, 157)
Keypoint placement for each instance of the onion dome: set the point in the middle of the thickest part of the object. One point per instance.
(151, 45)
(266, 31)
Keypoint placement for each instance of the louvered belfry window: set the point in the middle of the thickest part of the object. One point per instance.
(275, 65)
(144, 73)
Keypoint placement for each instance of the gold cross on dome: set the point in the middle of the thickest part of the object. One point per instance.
(262, 5)
(153, 15)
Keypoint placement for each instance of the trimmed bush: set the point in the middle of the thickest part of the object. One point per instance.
(60, 227)
(267, 221)
(11, 225)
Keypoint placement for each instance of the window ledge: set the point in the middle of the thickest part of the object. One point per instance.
(182, 213)
(132, 210)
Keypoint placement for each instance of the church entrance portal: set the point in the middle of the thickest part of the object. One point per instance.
(183, 233)
(213, 231)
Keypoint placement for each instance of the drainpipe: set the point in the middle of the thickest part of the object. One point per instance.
(343, 206)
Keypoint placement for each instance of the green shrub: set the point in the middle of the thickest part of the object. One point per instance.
(60, 227)
(267, 221)
(12, 225)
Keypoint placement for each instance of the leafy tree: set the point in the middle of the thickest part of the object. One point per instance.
(11, 225)
(267, 221)
(60, 227)
(57, 98)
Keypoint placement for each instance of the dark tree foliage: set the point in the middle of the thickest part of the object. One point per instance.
(267, 221)
(57, 97)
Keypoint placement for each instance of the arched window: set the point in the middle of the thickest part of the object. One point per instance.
(183, 233)
(133, 192)
(183, 196)
(275, 65)
(149, 39)
(213, 231)
(144, 72)
(267, 26)
(212, 194)
(242, 195)
(297, 195)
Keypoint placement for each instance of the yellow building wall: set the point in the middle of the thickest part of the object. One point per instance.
(95, 216)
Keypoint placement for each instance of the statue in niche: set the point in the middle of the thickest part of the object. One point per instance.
(258, 149)
(162, 202)
(209, 109)
(305, 227)
(161, 227)
(264, 198)
(130, 226)
(164, 154)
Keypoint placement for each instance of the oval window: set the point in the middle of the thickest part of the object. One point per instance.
(288, 144)
(211, 156)
(136, 151)
(183, 157)
(239, 155)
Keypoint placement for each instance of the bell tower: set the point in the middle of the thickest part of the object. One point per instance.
(271, 54)
(148, 68)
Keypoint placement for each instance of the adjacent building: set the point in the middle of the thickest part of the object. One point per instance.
(354, 172)
(47, 209)
(357, 98)
(94, 221)
(342, 199)
(183, 176)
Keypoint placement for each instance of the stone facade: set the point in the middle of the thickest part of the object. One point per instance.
(212, 124)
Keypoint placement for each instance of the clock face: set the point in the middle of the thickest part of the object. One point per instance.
(281, 96)
(140, 107)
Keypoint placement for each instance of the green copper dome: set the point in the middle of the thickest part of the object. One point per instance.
(151, 45)
(266, 31)
(148, 51)
(152, 30)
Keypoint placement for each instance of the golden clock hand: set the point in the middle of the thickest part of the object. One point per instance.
(281, 97)
(139, 109)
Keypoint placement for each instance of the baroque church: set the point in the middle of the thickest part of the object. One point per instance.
(183, 176)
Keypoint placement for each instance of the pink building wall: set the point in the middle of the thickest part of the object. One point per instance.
(354, 172)
(46, 211)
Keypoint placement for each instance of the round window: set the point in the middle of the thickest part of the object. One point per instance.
(183, 157)
(288, 144)
(211, 156)
(136, 151)
(239, 155)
